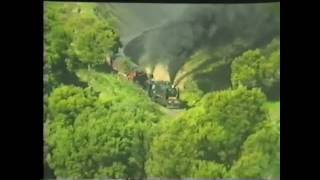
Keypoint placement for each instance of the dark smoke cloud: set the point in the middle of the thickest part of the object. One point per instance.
(135, 18)
(204, 26)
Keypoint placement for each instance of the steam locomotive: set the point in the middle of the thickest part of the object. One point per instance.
(162, 92)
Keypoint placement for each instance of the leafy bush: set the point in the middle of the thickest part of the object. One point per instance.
(74, 37)
(259, 68)
(191, 94)
(90, 138)
(213, 131)
(260, 156)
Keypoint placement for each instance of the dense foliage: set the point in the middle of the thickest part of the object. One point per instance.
(75, 37)
(259, 68)
(99, 135)
(260, 156)
(207, 137)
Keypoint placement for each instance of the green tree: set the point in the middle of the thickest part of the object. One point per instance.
(56, 43)
(260, 156)
(91, 138)
(259, 68)
(74, 37)
(208, 169)
(191, 94)
(208, 136)
(245, 69)
(93, 38)
(69, 101)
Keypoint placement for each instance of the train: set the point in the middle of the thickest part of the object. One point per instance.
(162, 92)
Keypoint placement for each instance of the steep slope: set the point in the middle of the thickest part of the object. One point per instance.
(209, 26)
(135, 18)
(199, 45)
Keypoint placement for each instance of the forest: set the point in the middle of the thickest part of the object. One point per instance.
(223, 58)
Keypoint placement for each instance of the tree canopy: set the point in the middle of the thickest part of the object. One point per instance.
(260, 156)
(259, 68)
(206, 140)
(75, 36)
(91, 138)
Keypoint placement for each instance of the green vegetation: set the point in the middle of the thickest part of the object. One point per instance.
(260, 156)
(99, 133)
(75, 37)
(274, 109)
(99, 125)
(205, 71)
(210, 134)
(254, 69)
